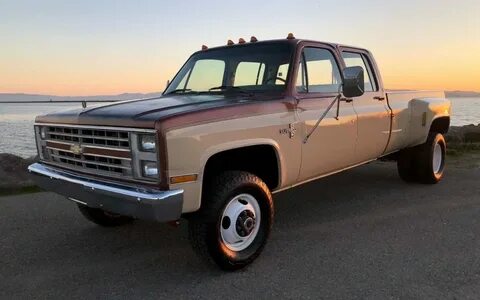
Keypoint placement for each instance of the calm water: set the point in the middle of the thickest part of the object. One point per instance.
(16, 122)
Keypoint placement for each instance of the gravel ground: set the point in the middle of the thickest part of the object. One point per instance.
(359, 234)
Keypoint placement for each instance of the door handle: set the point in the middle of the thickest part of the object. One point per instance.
(379, 98)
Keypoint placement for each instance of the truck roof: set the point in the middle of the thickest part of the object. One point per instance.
(293, 41)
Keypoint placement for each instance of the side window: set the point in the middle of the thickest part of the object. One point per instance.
(249, 73)
(358, 60)
(206, 73)
(318, 72)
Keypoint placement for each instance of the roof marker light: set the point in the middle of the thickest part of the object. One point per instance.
(241, 41)
(230, 43)
(290, 36)
(253, 39)
(204, 47)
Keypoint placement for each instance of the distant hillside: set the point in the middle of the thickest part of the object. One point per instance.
(462, 94)
(33, 97)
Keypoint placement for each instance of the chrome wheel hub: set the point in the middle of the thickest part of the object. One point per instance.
(240, 222)
(437, 158)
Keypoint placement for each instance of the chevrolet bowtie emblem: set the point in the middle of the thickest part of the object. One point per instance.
(76, 149)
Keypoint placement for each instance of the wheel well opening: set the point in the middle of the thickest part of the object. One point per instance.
(260, 160)
(440, 125)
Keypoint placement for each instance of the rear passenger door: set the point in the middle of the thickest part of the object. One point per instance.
(371, 108)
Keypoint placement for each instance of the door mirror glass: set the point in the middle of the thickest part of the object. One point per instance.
(353, 82)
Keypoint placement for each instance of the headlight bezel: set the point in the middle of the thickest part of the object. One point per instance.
(140, 155)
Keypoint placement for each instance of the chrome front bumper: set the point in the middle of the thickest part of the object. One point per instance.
(140, 203)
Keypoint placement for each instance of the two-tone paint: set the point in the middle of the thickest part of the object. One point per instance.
(191, 129)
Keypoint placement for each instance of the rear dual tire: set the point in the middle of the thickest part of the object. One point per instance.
(424, 163)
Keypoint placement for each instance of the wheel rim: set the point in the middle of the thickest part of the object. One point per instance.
(437, 158)
(240, 222)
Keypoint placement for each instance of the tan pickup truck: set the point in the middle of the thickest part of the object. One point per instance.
(237, 124)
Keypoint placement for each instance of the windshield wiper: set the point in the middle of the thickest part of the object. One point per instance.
(225, 88)
(183, 91)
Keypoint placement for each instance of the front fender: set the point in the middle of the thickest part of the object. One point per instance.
(215, 149)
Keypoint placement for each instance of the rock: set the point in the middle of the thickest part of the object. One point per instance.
(464, 134)
(13, 172)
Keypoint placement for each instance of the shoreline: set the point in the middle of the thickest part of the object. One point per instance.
(461, 141)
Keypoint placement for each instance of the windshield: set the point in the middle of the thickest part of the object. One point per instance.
(250, 68)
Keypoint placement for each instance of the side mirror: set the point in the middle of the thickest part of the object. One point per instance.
(353, 82)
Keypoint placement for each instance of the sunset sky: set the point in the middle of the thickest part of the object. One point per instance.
(93, 47)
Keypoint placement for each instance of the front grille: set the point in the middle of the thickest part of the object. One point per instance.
(87, 136)
(90, 150)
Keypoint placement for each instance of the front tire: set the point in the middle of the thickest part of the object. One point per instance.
(103, 218)
(232, 227)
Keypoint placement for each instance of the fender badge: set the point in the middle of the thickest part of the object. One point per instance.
(290, 130)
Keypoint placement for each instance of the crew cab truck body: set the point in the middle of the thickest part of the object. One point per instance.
(235, 125)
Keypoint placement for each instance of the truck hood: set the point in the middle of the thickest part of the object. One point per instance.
(141, 113)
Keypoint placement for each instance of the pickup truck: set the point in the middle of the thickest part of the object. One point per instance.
(237, 124)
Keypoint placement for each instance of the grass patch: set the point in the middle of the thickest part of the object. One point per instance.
(463, 157)
(464, 148)
(18, 191)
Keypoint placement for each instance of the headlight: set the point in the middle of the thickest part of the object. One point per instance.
(147, 142)
(43, 132)
(149, 169)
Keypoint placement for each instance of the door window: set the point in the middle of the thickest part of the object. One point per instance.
(318, 72)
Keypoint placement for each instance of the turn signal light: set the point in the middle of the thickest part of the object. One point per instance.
(183, 178)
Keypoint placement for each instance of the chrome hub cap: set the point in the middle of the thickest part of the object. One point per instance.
(437, 158)
(240, 222)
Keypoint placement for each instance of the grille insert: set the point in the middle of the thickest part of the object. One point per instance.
(94, 137)
(102, 151)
